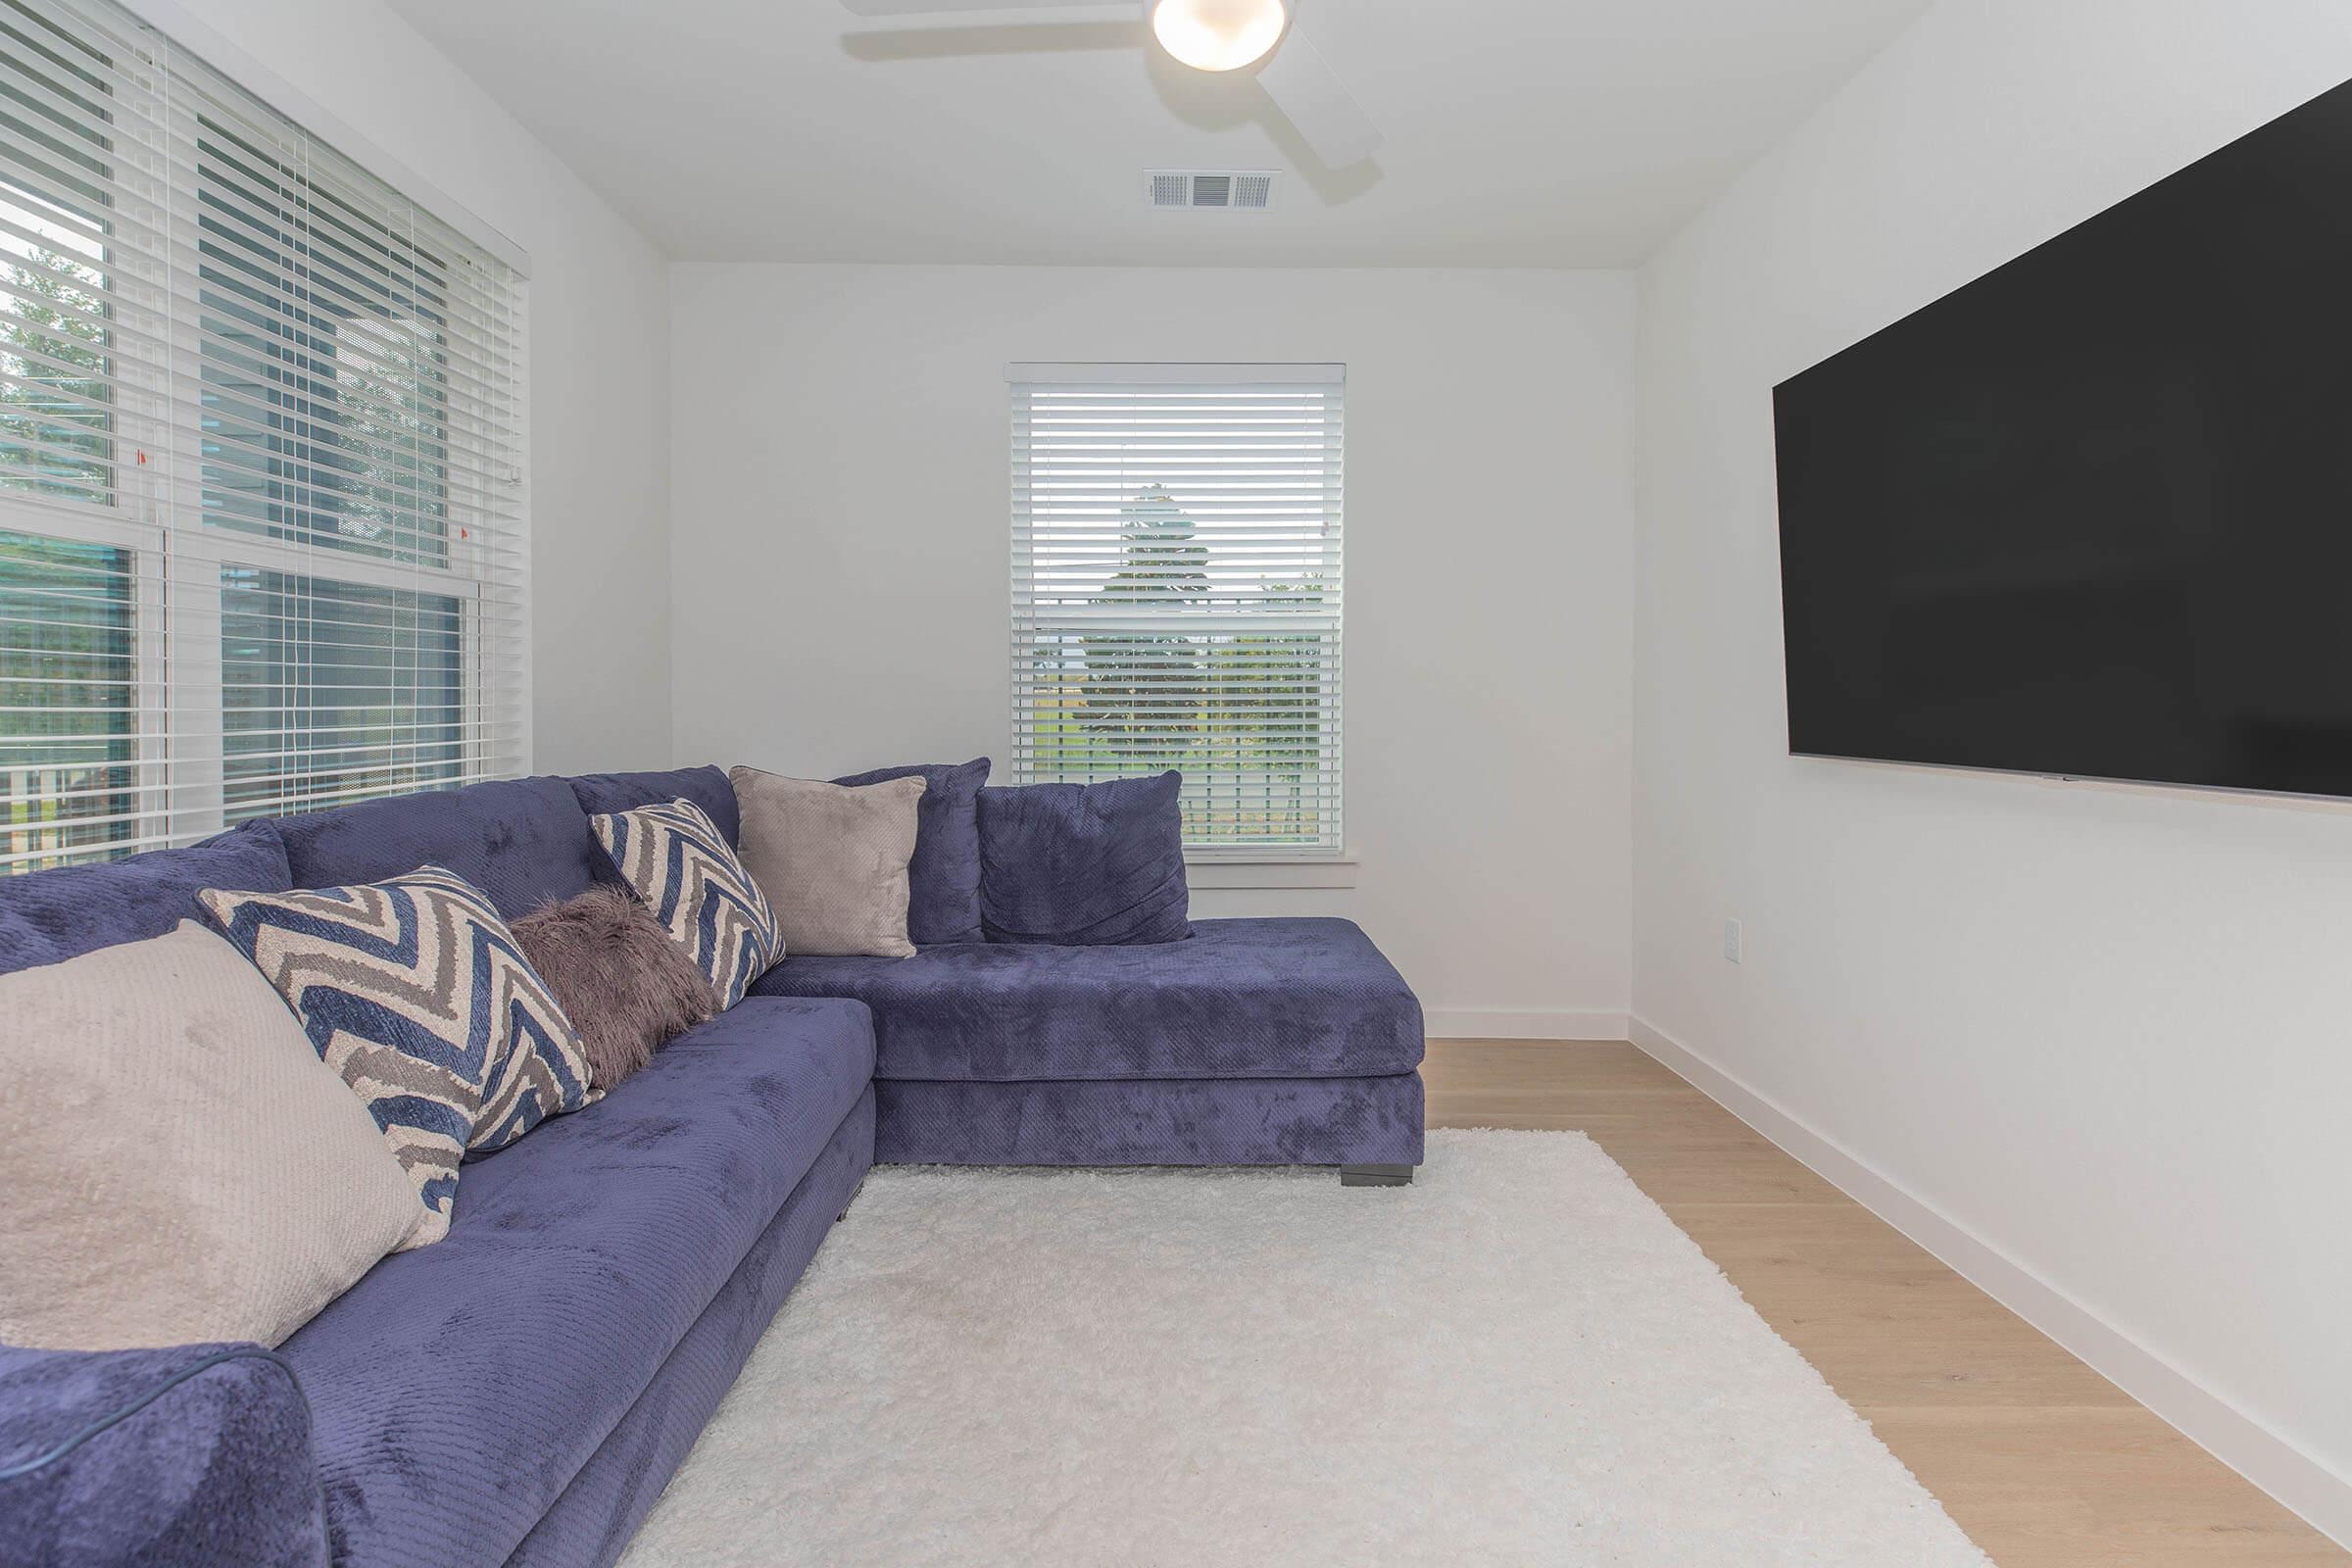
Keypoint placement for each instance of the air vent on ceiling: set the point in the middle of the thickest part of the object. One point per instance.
(1234, 190)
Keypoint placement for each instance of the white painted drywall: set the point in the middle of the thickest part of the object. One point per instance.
(599, 355)
(2108, 1031)
(840, 479)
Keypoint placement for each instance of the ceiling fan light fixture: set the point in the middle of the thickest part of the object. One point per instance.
(1219, 34)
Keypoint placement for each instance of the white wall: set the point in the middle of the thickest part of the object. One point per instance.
(599, 345)
(840, 479)
(2105, 1031)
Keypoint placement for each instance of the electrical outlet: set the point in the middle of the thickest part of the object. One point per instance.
(1732, 940)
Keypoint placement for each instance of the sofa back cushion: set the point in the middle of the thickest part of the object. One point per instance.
(1084, 865)
(521, 841)
(50, 917)
(604, 794)
(943, 880)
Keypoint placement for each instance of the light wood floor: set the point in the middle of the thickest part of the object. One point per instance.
(2043, 1462)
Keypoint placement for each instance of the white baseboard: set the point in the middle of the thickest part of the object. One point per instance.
(2239, 1441)
(1502, 1023)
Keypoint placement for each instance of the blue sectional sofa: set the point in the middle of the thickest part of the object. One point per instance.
(520, 1391)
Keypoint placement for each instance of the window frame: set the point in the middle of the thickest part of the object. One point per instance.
(1328, 862)
(155, 513)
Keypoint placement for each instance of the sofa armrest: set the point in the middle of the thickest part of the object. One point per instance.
(196, 1457)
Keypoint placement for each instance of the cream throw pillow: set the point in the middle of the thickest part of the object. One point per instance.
(179, 1164)
(831, 859)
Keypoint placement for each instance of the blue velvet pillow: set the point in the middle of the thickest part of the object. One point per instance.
(943, 902)
(50, 917)
(1084, 865)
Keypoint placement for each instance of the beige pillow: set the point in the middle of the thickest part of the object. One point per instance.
(179, 1164)
(831, 859)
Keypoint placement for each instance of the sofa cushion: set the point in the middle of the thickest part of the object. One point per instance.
(1084, 865)
(591, 1525)
(831, 861)
(50, 917)
(197, 1456)
(697, 888)
(603, 794)
(178, 1166)
(458, 1389)
(628, 988)
(1243, 999)
(943, 897)
(521, 841)
(414, 992)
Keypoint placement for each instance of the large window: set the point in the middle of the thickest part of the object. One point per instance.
(1176, 591)
(261, 506)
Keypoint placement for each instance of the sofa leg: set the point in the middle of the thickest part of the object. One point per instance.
(849, 1201)
(1376, 1175)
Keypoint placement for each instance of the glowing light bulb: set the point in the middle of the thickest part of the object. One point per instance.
(1219, 34)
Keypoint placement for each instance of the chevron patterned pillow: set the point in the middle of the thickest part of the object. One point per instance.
(414, 992)
(687, 873)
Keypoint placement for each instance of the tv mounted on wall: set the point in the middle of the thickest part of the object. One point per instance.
(2091, 514)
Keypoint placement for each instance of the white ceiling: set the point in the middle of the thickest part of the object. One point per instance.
(1520, 132)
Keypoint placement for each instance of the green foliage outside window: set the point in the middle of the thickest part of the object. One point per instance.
(1242, 713)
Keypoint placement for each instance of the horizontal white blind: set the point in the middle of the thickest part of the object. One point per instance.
(1177, 594)
(261, 516)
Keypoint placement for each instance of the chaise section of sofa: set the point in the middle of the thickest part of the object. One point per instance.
(1255, 1042)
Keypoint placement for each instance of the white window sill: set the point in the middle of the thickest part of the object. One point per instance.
(1213, 873)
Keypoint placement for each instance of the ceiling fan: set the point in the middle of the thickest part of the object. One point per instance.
(1218, 36)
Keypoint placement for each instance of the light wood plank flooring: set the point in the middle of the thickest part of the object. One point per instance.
(2043, 1462)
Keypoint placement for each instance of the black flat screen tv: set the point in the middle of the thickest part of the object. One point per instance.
(2091, 514)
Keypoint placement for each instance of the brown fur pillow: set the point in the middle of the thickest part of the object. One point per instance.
(628, 986)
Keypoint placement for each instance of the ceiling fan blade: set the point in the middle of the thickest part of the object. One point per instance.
(1310, 94)
(941, 8)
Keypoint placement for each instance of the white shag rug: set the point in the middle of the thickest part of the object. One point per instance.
(1518, 1360)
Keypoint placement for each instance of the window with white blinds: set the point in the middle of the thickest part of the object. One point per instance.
(1176, 592)
(262, 515)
